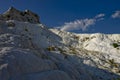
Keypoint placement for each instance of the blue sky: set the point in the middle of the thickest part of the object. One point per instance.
(73, 15)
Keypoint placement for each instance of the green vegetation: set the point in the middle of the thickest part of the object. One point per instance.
(115, 45)
(118, 79)
(93, 37)
(112, 63)
(73, 50)
(85, 39)
(51, 48)
(61, 51)
(76, 37)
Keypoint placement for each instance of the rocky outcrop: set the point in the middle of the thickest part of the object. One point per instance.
(23, 16)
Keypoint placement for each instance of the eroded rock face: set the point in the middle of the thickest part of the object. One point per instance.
(17, 64)
(23, 16)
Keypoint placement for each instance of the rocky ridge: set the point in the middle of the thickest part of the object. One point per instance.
(30, 51)
(24, 16)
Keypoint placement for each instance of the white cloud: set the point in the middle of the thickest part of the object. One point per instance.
(99, 15)
(82, 24)
(78, 24)
(116, 14)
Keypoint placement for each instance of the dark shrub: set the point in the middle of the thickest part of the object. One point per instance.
(115, 45)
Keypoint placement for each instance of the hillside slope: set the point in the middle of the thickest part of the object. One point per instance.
(30, 51)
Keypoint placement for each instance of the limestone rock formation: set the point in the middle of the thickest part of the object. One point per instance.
(24, 16)
(30, 51)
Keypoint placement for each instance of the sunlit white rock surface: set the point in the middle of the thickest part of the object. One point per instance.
(32, 52)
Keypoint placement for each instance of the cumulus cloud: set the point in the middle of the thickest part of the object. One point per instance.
(116, 14)
(82, 24)
(78, 24)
